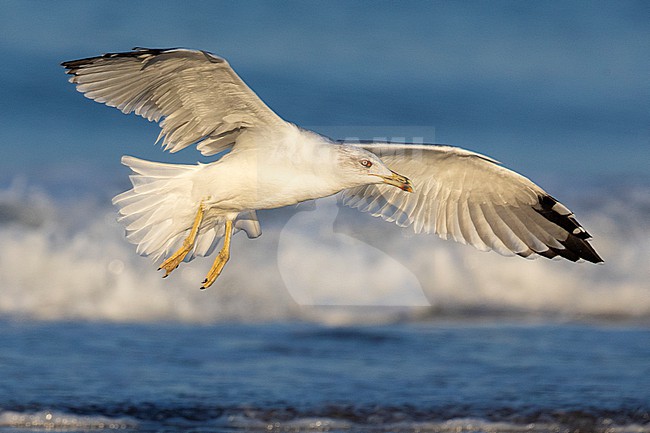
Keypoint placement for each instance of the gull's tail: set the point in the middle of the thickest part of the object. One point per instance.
(159, 210)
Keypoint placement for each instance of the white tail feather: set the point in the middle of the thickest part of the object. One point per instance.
(158, 212)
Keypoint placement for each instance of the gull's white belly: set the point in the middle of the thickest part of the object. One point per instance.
(241, 183)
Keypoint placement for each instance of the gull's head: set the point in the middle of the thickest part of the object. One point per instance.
(361, 167)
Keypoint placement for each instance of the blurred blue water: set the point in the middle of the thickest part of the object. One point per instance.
(545, 87)
(400, 378)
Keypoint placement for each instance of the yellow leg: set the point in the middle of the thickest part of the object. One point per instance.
(221, 259)
(175, 259)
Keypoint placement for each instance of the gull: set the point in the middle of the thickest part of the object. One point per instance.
(178, 212)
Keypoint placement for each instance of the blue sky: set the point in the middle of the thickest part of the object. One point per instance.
(547, 87)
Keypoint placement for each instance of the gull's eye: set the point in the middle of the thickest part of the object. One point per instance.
(366, 163)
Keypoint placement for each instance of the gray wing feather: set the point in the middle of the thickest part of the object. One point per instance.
(472, 199)
(195, 96)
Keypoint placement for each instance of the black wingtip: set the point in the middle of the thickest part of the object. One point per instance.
(135, 52)
(71, 64)
(576, 245)
(582, 249)
(557, 213)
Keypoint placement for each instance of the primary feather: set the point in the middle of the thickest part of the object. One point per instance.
(472, 199)
(196, 96)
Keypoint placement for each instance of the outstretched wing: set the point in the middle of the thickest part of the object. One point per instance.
(470, 198)
(198, 96)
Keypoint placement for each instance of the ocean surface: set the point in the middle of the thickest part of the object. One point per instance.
(415, 377)
(332, 320)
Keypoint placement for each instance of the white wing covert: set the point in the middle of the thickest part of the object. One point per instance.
(198, 96)
(472, 199)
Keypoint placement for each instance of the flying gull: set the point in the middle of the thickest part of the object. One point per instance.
(178, 212)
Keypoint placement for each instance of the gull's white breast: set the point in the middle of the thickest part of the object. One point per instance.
(268, 170)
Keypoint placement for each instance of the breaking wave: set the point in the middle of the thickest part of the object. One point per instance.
(59, 421)
(333, 418)
(67, 259)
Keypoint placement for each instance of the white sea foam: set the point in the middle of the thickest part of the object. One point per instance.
(456, 425)
(50, 420)
(64, 260)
